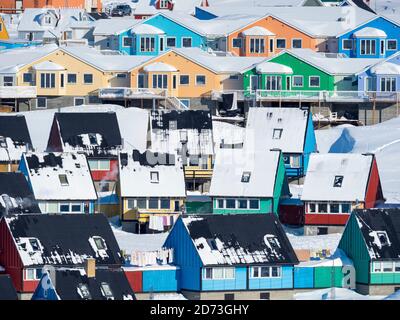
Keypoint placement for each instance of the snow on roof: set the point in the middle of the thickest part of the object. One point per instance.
(257, 31)
(159, 67)
(369, 32)
(386, 68)
(331, 294)
(146, 29)
(137, 172)
(324, 169)
(218, 64)
(232, 164)
(60, 176)
(225, 240)
(106, 62)
(227, 134)
(338, 258)
(48, 66)
(12, 60)
(272, 67)
(319, 242)
(147, 7)
(256, 3)
(113, 26)
(263, 123)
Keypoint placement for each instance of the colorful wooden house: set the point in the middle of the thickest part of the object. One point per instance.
(61, 182)
(90, 283)
(14, 140)
(220, 259)
(289, 129)
(152, 190)
(29, 242)
(188, 135)
(247, 180)
(376, 38)
(335, 185)
(371, 239)
(144, 9)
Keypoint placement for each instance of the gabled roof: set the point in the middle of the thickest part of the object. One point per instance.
(147, 7)
(45, 169)
(68, 281)
(113, 26)
(15, 194)
(63, 240)
(147, 29)
(260, 3)
(14, 130)
(96, 134)
(369, 32)
(262, 122)
(257, 31)
(135, 175)
(323, 170)
(272, 67)
(159, 67)
(7, 289)
(243, 239)
(385, 65)
(380, 229)
(230, 166)
(48, 66)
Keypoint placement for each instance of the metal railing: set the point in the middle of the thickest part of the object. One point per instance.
(129, 93)
(13, 92)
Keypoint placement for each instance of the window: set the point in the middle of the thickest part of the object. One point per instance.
(141, 203)
(219, 273)
(63, 179)
(162, 44)
(264, 296)
(392, 45)
(323, 208)
(122, 75)
(208, 273)
(254, 204)
(27, 77)
(257, 45)
(377, 267)
(71, 78)
(153, 203)
(277, 133)
(345, 208)
(33, 274)
(154, 177)
(311, 208)
(242, 204)
(297, 43)
(368, 47)
(41, 103)
(295, 161)
(84, 292)
(229, 273)
(34, 244)
(387, 266)
(47, 80)
(47, 20)
(347, 44)
(130, 203)
(273, 83)
(184, 80)
(3, 142)
(338, 181)
(106, 291)
(233, 77)
(246, 176)
(165, 203)
(334, 208)
(64, 207)
(397, 266)
(142, 80)
(164, 4)
(79, 101)
(76, 207)
(99, 165)
(388, 84)
(237, 42)
(147, 44)
(160, 81)
(280, 43)
(266, 272)
(314, 81)
(62, 81)
(99, 242)
(297, 81)
(230, 203)
(220, 203)
(87, 78)
(200, 80)
(229, 296)
(186, 42)
(127, 42)
(171, 42)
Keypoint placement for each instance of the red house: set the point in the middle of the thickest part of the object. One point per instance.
(336, 184)
(147, 8)
(28, 242)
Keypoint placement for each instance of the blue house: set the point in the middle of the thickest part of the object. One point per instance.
(220, 259)
(159, 33)
(382, 78)
(288, 129)
(378, 38)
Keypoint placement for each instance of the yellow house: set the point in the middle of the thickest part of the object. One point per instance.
(3, 30)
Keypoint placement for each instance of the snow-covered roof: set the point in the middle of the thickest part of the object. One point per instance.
(369, 32)
(386, 68)
(272, 67)
(324, 170)
(227, 134)
(226, 240)
(146, 29)
(230, 166)
(60, 176)
(259, 3)
(48, 66)
(147, 7)
(136, 170)
(262, 124)
(257, 31)
(113, 26)
(159, 67)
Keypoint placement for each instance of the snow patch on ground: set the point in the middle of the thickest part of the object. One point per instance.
(334, 294)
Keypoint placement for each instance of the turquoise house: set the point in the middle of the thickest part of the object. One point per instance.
(220, 259)
(248, 180)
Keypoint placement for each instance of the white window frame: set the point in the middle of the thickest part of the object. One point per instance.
(23, 76)
(369, 53)
(154, 177)
(37, 103)
(260, 41)
(48, 84)
(279, 268)
(70, 204)
(319, 81)
(224, 277)
(191, 42)
(186, 100)
(149, 47)
(35, 276)
(181, 75)
(294, 39)
(156, 85)
(79, 98)
(123, 41)
(277, 133)
(392, 80)
(88, 83)
(166, 42)
(292, 164)
(276, 43)
(205, 80)
(387, 44)
(302, 80)
(164, 4)
(278, 83)
(97, 167)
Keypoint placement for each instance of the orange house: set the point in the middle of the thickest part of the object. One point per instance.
(267, 37)
(89, 5)
(3, 30)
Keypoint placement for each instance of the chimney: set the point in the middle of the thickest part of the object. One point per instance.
(90, 267)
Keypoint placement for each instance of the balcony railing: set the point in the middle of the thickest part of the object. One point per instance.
(131, 93)
(14, 92)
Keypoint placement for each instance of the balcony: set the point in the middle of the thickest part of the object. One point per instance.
(123, 93)
(17, 92)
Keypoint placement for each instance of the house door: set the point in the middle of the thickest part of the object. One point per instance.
(383, 47)
(254, 82)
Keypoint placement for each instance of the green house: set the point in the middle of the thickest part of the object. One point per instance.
(372, 240)
(248, 181)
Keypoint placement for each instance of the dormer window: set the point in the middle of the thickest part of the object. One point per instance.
(246, 176)
(84, 292)
(3, 142)
(277, 134)
(106, 291)
(92, 138)
(63, 179)
(383, 238)
(337, 183)
(164, 4)
(100, 243)
(47, 20)
(154, 177)
(35, 244)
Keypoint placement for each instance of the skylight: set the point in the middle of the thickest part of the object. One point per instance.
(84, 292)
(63, 179)
(246, 176)
(92, 138)
(337, 183)
(99, 243)
(106, 291)
(277, 134)
(35, 244)
(154, 177)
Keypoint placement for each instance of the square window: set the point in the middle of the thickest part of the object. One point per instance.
(208, 273)
(254, 204)
(200, 80)
(236, 42)
(242, 204)
(88, 78)
(154, 177)
(127, 42)
(230, 203)
(334, 208)
(184, 80)
(41, 103)
(281, 43)
(130, 203)
(218, 273)
(171, 42)
(264, 296)
(295, 161)
(165, 203)
(64, 207)
(311, 208)
(338, 181)
(99, 243)
(347, 44)
(345, 208)
(323, 208)
(277, 134)
(220, 203)
(141, 203)
(186, 42)
(229, 273)
(297, 81)
(27, 77)
(93, 164)
(229, 296)
(76, 208)
(296, 43)
(153, 203)
(30, 274)
(246, 176)
(265, 272)
(79, 101)
(314, 81)
(275, 272)
(104, 165)
(256, 272)
(63, 179)
(71, 78)
(392, 44)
